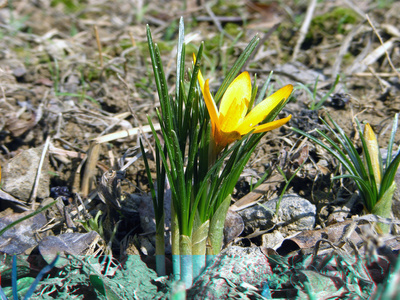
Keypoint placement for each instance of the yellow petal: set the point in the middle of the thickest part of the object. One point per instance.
(373, 150)
(234, 116)
(240, 91)
(272, 125)
(199, 76)
(211, 107)
(261, 111)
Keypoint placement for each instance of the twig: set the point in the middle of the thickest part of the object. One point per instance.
(304, 27)
(39, 171)
(372, 57)
(344, 49)
(380, 74)
(93, 153)
(142, 131)
(90, 168)
(132, 39)
(68, 153)
(356, 64)
(216, 22)
(356, 8)
(228, 19)
(124, 133)
(383, 83)
(96, 32)
(381, 41)
(263, 39)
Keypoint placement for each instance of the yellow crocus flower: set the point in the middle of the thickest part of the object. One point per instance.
(373, 150)
(232, 121)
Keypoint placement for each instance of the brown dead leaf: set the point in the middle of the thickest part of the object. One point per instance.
(307, 239)
(233, 227)
(18, 126)
(44, 81)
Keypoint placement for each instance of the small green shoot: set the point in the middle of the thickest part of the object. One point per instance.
(315, 103)
(259, 181)
(81, 97)
(287, 182)
(94, 224)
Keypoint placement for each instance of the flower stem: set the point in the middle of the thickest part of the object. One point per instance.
(160, 248)
(185, 249)
(176, 268)
(199, 239)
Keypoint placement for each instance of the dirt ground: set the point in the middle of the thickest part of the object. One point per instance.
(58, 82)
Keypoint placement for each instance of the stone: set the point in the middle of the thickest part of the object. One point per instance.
(295, 212)
(272, 240)
(256, 217)
(21, 237)
(232, 270)
(19, 174)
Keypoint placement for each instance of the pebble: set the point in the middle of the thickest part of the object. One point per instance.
(234, 269)
(295, 213)
(19, 174)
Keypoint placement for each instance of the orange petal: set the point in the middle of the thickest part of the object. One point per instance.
(239, 90)
(261, 111)
(272, 125)
(211, 107)
(222, 139)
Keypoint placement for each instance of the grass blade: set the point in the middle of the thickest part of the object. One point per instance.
(38, 211)
(14, 278)
(2, 294)
(391, 140)
(390, 173)
(39, 277)
(236, 67)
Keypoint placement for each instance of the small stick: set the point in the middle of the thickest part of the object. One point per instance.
(90, 168)
(343, 50)
(382, 74)
(263, 39)
(66, 153)
(39, 171)
(381, 41)
(132, 39)
(94, 152)
(96, 32)
(156, 126)
(304, 27)
(124, 133)
(216, 22)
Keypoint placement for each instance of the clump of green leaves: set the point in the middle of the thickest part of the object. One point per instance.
(94, 224)
(200, 184)
(374, 179)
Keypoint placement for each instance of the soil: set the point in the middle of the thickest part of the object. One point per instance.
(56, 84)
